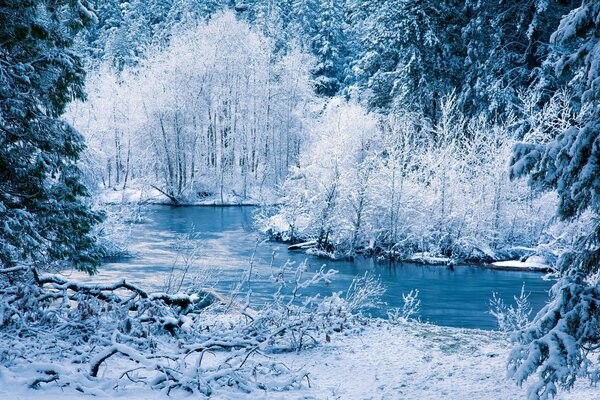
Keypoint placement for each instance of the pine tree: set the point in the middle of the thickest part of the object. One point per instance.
(329, 47)
(506, 43)
(410, 53)
(44, 218)
(560, 343)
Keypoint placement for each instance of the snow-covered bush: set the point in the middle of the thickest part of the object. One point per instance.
(411, 306)
(186, 275)
(114, 233)
(511, 318)
(95, 338)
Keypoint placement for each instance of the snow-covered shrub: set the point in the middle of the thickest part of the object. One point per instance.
(186, 274)
(511, 318)
(114, 233)
(364, 292)
(302, 321)
(411, 306)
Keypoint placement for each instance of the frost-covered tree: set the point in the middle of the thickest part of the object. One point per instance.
(373, 183)
(562, 342)
(329, 47)
(44, 216)
(228, 124)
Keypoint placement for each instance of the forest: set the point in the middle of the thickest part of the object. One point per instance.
(459, 133)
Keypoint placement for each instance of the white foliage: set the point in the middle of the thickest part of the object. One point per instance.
(121, 335)
(512, 319)
(215, 111)
(389, 184)
(410, 308)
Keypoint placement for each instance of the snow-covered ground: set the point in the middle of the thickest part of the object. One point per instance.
(532, 263)
(405, 361)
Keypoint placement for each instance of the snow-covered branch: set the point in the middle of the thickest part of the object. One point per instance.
(126, 335)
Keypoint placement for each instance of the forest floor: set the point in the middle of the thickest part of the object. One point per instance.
(385, 361)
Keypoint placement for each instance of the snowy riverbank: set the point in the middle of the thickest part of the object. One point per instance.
(150, 195)
(385, 361)
(531, 263)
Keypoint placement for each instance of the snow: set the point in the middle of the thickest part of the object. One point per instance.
(385, 361)
(303, 245)
(532, 263)
(276, 223)
(425, 258)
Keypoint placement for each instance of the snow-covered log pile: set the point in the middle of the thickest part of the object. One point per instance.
(98, 338)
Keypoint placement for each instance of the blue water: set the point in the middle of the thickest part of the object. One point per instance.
(458, 298)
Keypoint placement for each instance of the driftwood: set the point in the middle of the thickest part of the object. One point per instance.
(98, 291)
(303, 246)
(173, 199)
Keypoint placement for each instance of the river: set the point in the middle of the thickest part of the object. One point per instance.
(227, 241)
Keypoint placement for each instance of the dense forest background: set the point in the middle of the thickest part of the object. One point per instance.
(378, 126)
(387, 53)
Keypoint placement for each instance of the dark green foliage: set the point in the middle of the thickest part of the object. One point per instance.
(43, 218)
(411, 53)
(560, 342)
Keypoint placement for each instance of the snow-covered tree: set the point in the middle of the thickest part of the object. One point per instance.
(505, 44)
(406, 53)
(44, 216)
(228, 124)
(560, 344)
(368, 182)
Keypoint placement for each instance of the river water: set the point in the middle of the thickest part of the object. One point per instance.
(227, 241)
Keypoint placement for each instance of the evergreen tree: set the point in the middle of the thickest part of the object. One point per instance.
(560, 342)
(322, 33)
(329, 47)
(506, 43)
(410, 53)
(91, 41)
(44, 218)
(273, 17)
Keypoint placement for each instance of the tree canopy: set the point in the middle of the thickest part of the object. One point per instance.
(44, 216)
